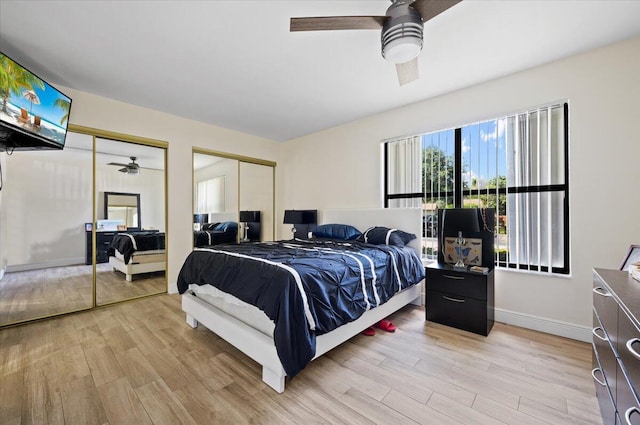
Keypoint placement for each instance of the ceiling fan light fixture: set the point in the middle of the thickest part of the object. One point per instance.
(402, 50)
(133, 171)
(401, 34)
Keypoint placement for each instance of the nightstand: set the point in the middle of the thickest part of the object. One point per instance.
(460, 298)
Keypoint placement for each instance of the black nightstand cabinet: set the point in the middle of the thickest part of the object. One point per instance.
(459, 298)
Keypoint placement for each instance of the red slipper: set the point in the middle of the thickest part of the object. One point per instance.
(386, 325)
(369, 331)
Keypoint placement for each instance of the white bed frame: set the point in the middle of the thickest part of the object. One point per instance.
(261, 348)
(130, 269)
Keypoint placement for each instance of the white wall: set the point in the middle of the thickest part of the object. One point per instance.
(340, 167)
(182, 135)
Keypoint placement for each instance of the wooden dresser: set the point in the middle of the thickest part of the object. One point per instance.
(616, 346)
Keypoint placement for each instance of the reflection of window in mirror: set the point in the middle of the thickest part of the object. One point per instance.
(210, 195)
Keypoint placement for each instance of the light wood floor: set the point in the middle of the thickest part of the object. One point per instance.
(139, 363)
(44, 292)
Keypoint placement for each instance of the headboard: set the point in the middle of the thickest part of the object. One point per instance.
(223, 216)
(405, 219)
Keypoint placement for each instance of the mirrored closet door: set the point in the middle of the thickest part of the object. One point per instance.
(59, 213)
(233, 198)
(256, 197)
(45, 201)
(130, 221)
(215, 200)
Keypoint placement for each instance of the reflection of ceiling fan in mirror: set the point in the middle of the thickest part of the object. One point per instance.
(401, 35)
(130, 168)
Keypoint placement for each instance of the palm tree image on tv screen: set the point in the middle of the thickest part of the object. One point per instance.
(30, 104)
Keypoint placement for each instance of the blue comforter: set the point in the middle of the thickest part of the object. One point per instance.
(307, 288)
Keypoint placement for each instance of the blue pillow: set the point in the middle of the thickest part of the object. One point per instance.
(342, 232)
(386, 236)
(226, 226)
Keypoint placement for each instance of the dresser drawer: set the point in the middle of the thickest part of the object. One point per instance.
(605, 400)
(627, 402)
(629, 351)
(464, 284)
(606, 308)
(605, 355)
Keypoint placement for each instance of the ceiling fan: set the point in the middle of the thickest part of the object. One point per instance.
(130, 168)
(401, 35)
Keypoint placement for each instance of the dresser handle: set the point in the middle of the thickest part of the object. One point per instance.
(593, 373)
(600, 291)
(593, 331)
(448, 276)
(627, 414)
(452, 299)
(630, 348)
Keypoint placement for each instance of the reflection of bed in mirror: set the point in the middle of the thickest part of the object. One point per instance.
(249, 328)
(138, 253)
(219, 228)
(216, 234)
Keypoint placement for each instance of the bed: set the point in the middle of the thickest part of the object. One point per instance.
(314, 321)
(137, 253)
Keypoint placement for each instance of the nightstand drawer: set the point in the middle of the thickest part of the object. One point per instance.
(458, 311)
(464, 284)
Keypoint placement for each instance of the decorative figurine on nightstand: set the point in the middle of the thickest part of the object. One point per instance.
(462, 252)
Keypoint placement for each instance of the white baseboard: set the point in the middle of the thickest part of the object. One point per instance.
(567, 330)
(45, 265)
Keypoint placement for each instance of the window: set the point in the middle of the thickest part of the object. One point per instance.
(517, 164)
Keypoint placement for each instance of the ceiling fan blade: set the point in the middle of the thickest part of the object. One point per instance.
(431, 8)
(408, 71)
(124, 170)
(337, 23)
(117, 163)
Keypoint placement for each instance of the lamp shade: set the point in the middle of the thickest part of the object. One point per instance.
(201, 218)
(463, 220)
(293, 217)
(300, 216)
(309, 216)
(250, 216)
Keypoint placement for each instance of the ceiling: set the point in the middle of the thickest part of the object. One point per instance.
(235, 64)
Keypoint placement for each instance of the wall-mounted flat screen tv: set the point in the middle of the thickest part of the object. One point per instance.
(33, 114)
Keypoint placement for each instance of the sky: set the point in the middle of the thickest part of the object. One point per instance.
(483, 148)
